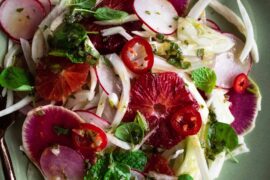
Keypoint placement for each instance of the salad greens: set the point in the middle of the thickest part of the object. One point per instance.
(16, 79)
(185, 177)
(70, 41)
(103, 14)
(116, 165)
(205, 79)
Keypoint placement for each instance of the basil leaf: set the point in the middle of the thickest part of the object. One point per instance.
(15, 78)
(103, 14)
(130, 132)
(221, 136)
(134, 159)
(118, 171)
(140, 119)
(185, 177)
(205, 79)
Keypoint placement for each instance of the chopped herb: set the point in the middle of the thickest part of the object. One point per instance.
(185, 177)
(60, 130)
(200, 53)
(176, 18)
(160, 37)
(158, 13)
(19, 10)
(28, 17)
(148, 12)
(186, 42)
(205, 79)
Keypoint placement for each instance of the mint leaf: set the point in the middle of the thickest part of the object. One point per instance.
(118, 171)
(185, 177)
(83, 4)
(130, 132)
(134, 159)
(97, 171)
(205, 79)
(140, 119)
(103, 14)
(15, 78)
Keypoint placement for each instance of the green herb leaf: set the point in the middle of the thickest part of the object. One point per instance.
(97, 171)
(15, 78)
(104, 14)
(70, 41)
(60, 130)
(185, 177)
(118, 171)
(134, 159)
(221, 136)
(83, 4)
(205, 79)
(140, 119)
(200, 53)
(130, 132)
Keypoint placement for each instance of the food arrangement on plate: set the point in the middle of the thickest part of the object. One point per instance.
(129, 89)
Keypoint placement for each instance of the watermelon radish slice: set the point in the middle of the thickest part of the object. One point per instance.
(20, 19)
(158, 15)
(228, 66)
(39, 129)
(61, 162)
(180, 6)
(107, 78)
(47, 5)
(245, 108)
(92, 118)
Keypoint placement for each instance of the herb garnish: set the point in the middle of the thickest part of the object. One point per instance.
(60, 130)
(205, 79)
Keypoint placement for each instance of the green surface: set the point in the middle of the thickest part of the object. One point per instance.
(254, 165)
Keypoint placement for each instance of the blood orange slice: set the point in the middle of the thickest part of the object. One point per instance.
(57, 78)
(158, 97)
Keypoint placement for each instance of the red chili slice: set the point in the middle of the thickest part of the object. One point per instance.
(137, 55)
(186, 121)
(89, 138)
(241, 83)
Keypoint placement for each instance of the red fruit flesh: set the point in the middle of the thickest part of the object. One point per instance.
(57, 78)
(158, 164)
(39, 129)
(158, 97)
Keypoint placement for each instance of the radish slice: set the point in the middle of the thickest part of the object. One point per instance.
(158, 15)
(228, 66)
(137, 175)
(61, 162)
(107, 77)
(46, 4)
(20, 19)
(94, 119)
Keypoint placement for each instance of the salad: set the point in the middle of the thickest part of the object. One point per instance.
(129, 89)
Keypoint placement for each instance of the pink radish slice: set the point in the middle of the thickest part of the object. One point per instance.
(180, 6)
(61, 162)
(39, 129)
(158, 15)
(107, 78)
(47, 5)
(137, 174)
(213, 25)
(228, 66)
(93, 119)
(20, 18)
(245, 108)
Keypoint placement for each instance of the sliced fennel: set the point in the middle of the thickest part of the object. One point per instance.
(200, 36)
(198, 9)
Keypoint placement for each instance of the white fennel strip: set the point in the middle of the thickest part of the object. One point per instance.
(130, 18)
(114, 140)
(39, 48)
(121, 70)
(27, 55)
(138, 146)
(10, 56)
(198, 9)
(15, 107)
(101, 103)
(116, 30)
(4, 92)
(93, 84)
(10, 98)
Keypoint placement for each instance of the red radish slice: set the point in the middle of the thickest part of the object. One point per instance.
(213, 25)
(20, 19)
(180, 6)
(47, 5)
(228, 66)
(39, 129)
(61, 162)
(158, 15)
(107, 78)
(93, 119)
(245, 107)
